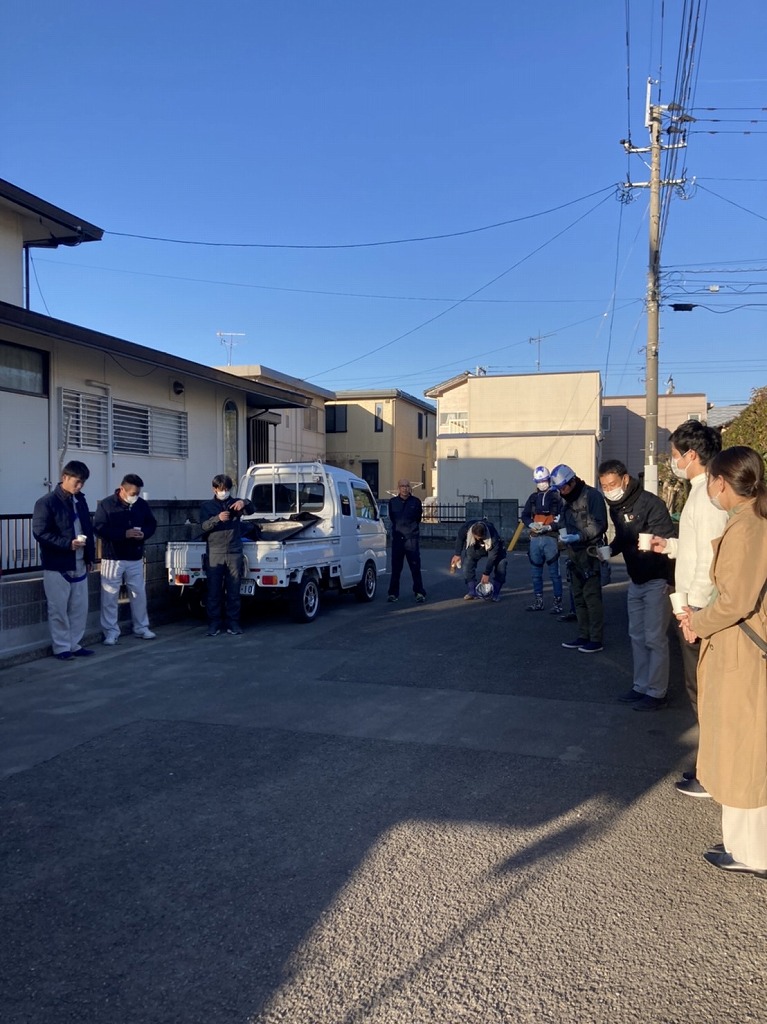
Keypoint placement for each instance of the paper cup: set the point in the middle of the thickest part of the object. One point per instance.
(563, 534)
(678, 601)
(645, 540)
(81, 537)
(604, 553)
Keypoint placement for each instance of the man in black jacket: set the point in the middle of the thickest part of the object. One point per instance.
(634, 511)
(221, 527)
(475, 541)
(405, 513)
(124, 521)
(61, 525)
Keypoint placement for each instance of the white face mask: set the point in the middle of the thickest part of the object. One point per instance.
(221, 495)
(543, 486)
(715, 501)
(615, 495)
(131, 499)
(680, 474)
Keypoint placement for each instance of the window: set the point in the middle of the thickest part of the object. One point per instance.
(311, 496)
(454, 422)
(231, 440)
(420, 425)
(379, 424)
(335, 419)
(363, 503)
(606, 423)
(23, 369)
(84, 421)
(346, 505)
(312, 419)
(138, 429)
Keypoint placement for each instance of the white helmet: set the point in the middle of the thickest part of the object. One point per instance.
(561, 475)
(484, 590)
(541, 474)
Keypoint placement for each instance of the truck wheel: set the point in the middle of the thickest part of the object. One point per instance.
(306, 600)
(366, 588)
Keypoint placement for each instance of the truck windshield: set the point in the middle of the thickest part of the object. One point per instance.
(311, 497)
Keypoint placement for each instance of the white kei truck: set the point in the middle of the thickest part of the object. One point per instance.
(315, 528)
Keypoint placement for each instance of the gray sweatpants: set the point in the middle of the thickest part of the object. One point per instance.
(67, 610)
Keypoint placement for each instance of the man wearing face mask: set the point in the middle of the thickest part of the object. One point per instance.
(124, 522)
(541, 516)
(220, 519)
(634, 511)
(693, 446)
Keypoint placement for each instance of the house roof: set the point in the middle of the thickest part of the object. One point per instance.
(447, 385)
(722, 415)
(361, 395)
(258, 396)
(44, 225)
(258, 372)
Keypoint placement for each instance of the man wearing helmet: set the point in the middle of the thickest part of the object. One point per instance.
(585, 521)
(474, 542)
(541, 516)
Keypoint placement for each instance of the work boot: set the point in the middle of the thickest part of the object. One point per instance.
(556, 608)
(537, 605)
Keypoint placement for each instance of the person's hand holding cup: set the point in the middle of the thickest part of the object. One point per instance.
(80, 541)
(658, 544)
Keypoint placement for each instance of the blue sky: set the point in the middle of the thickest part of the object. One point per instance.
(306, 124)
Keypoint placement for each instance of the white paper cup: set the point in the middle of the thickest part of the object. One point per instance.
(604, 553)
(645, 541)
(81, 537)
(678, 601)
(563, 533)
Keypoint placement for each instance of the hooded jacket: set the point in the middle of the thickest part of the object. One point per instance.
(637, 512)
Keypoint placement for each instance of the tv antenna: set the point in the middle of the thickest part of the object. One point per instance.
(537, 341)
(227, 340)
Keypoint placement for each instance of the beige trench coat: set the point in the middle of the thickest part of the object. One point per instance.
(732, 674)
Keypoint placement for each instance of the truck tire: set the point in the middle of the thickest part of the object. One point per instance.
(305, 601)
(366, 588)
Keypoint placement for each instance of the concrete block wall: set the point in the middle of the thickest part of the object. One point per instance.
(23, 615)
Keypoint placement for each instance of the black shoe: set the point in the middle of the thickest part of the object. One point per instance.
(689, 775)
(691, 787)
(567, 617)
(631, 697)
(575, 645)
(648, 703)
(234, 631)
(591, 647)
(722, 859)
(64, 656)
(392, 598)
(420, 598)
(82, 652)
(214, 631)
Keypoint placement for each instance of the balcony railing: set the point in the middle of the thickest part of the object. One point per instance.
(441, 513)
(18, 548)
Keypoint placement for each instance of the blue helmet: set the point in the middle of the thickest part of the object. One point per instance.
(541, 474)
(561, 475)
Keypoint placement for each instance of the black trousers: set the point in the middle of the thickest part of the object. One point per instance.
(223, 601)
(405, 548)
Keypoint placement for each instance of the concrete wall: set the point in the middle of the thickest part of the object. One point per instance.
(23, 617)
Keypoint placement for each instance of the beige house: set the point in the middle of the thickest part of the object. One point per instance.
(492, 431)
(623, 423)
(297, 435)
(384, 435)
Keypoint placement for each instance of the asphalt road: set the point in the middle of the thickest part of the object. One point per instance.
(397, 814)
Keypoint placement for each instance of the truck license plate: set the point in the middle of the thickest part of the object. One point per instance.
(247, 587)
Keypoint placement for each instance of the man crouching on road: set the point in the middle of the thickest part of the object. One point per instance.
(474, 542)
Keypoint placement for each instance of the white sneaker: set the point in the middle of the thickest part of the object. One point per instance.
(110, 641)
(146, 635)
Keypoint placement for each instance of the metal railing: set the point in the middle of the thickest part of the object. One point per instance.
(18, 548)
(442, 513)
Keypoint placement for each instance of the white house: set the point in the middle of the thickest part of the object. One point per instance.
(67, 392)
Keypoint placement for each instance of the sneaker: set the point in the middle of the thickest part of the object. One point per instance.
(556, 608)
(82, 652)
(470, 597)
(591, 647)
(537, 605)
(496, 598)
(631, 697)
(568, 617)
(648, 703)
(575, 645)
(146, 634)
(691, 787)
(214, 631)
(234, 631)
(721, 859)
(689, 775)
(110, 641)
(392, 598)
(64, 656)
(420, 598)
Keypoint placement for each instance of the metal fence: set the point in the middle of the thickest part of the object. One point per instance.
(18, 548)
(440, 513)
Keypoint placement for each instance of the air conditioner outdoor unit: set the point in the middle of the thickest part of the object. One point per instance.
(452, 453)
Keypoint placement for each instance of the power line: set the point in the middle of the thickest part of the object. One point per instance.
(361, 245)
(730, 201)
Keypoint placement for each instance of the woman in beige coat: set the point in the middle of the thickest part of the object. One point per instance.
(732, 670)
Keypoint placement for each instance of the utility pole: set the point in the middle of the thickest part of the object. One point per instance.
(653, 122)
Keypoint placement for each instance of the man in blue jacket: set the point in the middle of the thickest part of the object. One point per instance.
(541, 516)
(62, 527)
(220, 519)
(124, 521)
(405, 513)
(585, 521)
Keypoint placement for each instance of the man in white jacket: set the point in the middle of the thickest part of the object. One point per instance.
(693, 445)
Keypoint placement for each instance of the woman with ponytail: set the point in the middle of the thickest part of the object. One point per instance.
(732, 671)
